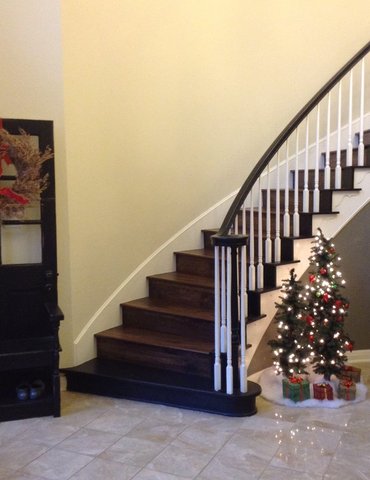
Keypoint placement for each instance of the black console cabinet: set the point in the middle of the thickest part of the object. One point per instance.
(29, 312)
(26, 360)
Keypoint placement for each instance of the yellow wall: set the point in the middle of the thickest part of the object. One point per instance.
(167, 105)
(31, 87)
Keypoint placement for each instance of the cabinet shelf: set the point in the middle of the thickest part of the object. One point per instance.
(11, 408)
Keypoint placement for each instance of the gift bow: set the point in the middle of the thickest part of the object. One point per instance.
(295, 379)
(347, 383)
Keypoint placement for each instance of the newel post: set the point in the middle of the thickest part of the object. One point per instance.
(233, 245)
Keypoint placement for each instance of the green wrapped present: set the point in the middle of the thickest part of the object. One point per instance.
(296, 389)
(347, 389)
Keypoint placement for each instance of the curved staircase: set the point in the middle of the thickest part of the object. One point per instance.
(164, 350)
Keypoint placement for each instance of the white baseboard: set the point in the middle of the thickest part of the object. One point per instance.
(359, 356)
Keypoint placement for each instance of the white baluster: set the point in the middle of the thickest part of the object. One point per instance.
(223, 300)
(244, 261)
(286, 232)
(268, 241)
(236, 225)
(349, 145)
(217, 364)
(338, 165)
(243, 345)
(327, 156)
(260, 242)
(316, 192)
(277, 243)
(229, 366)
(306, 193)
(252, 268)
(361, 148)
(296, 190)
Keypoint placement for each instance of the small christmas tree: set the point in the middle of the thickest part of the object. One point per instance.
(290, 348)
(325, 310)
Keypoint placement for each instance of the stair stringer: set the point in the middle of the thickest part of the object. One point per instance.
(256, 330)
(347, 203)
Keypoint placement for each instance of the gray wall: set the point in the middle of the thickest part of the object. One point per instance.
(352, 245)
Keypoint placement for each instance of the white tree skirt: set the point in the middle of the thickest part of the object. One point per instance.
(272, 390)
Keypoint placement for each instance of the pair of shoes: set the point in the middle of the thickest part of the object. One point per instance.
(31, 391)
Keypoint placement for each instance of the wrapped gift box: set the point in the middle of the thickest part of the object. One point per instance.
(347, 389)
(354, 373)
(296, 389)
(323, 391)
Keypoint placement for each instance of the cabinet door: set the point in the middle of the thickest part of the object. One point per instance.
(28, 275)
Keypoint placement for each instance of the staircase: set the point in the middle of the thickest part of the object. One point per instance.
(164, 351)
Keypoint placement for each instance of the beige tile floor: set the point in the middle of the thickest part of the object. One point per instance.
(101, 438)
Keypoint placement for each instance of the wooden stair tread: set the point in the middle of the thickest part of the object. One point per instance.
(184, 279)
(200, 252)
(156, 339)
(161, 306)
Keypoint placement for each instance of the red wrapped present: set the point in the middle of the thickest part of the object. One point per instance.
(347, 389)
(296, 388)
(348, 371)
(323, 391)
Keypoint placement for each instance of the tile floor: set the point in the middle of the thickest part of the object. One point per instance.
(101, 438)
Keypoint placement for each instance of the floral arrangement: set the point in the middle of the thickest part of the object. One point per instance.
(28, 183)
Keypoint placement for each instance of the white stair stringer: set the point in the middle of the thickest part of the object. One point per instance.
(256, 330)
(347, 203)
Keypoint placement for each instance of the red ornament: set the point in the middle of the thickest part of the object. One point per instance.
(349, 347)
(311, 338)
(323, 271)
(340, 318)
(325, 297)
(312, 278)
(309, 319)
(346, 306)
(331, 250)
(338, 303)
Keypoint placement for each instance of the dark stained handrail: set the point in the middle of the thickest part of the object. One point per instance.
(284, 135)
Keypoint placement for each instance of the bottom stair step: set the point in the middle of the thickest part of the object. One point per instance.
(114, 379)
(148, 348)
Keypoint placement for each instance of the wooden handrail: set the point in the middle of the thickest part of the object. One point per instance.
(284, 135)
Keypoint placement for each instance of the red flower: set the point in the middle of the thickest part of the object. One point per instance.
(349, 347)
(323, 271)
(338, 303)
(8, 192)
(312, 278)
(311, 338)
(325, 297)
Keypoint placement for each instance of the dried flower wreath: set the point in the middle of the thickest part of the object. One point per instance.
(28, 183)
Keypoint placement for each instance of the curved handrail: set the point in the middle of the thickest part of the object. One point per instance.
(284, 135)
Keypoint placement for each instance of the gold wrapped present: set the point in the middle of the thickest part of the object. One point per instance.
(347, 389)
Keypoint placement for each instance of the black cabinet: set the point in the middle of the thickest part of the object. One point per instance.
(29, 312)
(24, 361)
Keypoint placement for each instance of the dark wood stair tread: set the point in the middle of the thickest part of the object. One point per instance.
(156, 339)
(119, 370)
(200, 252)
(163, 307)
(184, 279)
(116, 379)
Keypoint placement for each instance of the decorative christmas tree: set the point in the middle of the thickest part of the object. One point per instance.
(326, 309)
(290, 348)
